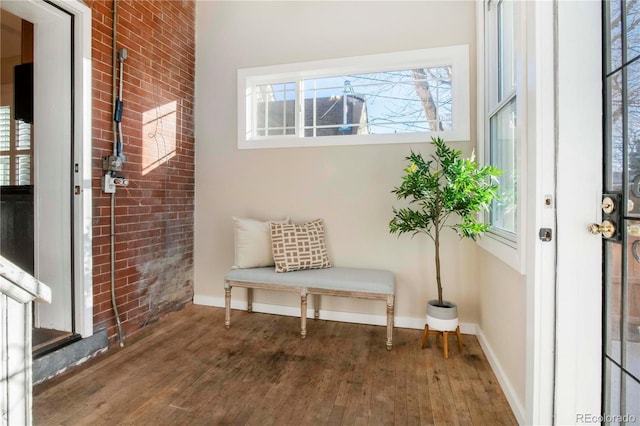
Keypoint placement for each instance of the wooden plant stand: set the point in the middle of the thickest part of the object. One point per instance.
(445, 335)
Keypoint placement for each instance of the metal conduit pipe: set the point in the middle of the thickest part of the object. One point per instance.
(113, 194)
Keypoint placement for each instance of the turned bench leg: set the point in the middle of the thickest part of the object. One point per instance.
(227, 306)
(227, 303)
(303, 313)
(316, 306)
(390, 305)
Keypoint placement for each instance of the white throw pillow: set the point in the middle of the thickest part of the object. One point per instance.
(253, 242)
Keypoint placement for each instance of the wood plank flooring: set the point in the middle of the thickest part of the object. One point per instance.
(189, 370)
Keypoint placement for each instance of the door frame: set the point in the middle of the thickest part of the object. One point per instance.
(40, 13)
(542, 195)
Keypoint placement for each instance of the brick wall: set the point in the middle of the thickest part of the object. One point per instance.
(154, 214)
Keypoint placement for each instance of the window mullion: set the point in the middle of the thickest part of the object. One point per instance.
(284, 112)
(300, 110)
(252, 119)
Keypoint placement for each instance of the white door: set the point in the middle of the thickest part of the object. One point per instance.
(62, 158)
(53, 173)
(52, 157)
(578, 143)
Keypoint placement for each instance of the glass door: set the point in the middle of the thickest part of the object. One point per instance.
(621, 208)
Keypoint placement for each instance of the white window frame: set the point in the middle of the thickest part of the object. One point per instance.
(455, 56)
(509, 249)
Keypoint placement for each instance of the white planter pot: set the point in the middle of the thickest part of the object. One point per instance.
(442, 318)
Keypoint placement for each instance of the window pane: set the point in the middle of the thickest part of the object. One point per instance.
(23, 169)
(506, 76)
(402, 101)
(614, 148)
(615, 34)
(631, 318)
(632, 400)
(632, 124)
(275, 109)
(5, 170)
(612, 300)
(23, 135)
(5, 128)
(503, 155)
(612, 397)
(632, 29)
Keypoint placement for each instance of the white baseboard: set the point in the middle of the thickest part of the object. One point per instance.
(516, 406)
(293, 311)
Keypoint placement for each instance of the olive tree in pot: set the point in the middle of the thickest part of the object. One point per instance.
(445, 191)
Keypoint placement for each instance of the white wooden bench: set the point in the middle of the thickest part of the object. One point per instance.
(336, 281)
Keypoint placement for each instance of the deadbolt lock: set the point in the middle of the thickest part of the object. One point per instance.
(607, 229)
(608, 205)
(611, 217)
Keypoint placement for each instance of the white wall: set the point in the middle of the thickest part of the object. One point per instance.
(348, 187)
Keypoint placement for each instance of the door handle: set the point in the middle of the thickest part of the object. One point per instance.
(607, 229)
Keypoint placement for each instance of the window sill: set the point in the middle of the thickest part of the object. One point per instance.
(508, 254)
(298, 142)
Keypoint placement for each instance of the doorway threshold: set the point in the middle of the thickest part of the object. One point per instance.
(47, 340)
(67, 353)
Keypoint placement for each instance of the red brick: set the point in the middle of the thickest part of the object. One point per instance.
(154, 215)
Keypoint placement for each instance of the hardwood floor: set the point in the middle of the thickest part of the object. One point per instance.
(189, 370)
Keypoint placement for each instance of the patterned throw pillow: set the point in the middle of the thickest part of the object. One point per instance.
(298, 247)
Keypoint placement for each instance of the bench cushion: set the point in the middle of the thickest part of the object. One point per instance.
(339, 278)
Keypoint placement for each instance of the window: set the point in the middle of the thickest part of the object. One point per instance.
(388, 98)
(15, 157)
(501, 123)
(501, 114)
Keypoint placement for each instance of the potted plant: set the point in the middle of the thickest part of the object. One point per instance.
(445, 191)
